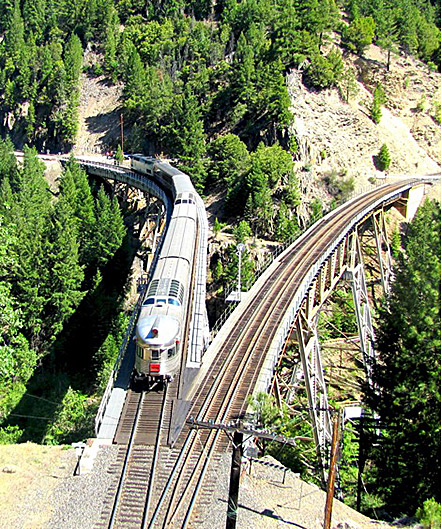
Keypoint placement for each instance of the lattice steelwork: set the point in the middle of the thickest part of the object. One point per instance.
(346, 262)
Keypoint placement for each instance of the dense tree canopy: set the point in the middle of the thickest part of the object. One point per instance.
(406, 395)
(49, 252)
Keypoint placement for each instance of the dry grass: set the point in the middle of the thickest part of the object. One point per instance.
(28, 476)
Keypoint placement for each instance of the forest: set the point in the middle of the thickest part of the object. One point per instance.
(204, 83)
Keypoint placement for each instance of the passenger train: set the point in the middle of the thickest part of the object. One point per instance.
(161, 323)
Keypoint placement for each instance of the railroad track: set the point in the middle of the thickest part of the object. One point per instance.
(141, 432)
(232, 377)
(175, 499)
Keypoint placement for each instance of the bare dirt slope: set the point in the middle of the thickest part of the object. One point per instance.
(335, 136)
(99, 115)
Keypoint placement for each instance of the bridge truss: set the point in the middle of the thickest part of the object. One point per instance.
(344, 264)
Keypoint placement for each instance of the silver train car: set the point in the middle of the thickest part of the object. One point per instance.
(161, 323)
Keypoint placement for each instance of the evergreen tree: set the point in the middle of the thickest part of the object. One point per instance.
(82, 203)
(384, 158)
(17, 359)
(406, 394)
(359, 35)
(191, 144)
(109, 228)
(31, 214)
(66, 272)
(378, 100)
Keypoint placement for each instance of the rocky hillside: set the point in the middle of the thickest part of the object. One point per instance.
(334, 136)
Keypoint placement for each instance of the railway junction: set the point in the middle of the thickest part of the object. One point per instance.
(163, 462)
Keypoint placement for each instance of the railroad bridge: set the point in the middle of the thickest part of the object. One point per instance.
(286, 300)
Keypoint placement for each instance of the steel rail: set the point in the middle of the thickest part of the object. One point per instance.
(321, 232)
(154, 461)
(227, 394)
(126, 464)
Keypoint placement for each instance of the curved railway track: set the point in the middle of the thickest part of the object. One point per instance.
(175, 499)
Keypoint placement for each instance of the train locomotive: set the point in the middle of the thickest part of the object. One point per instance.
(161, 323)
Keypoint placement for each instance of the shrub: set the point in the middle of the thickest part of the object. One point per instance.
(429, 514)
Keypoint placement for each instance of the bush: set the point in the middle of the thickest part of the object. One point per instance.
(429, 514)
(10, 434)
(325, 72)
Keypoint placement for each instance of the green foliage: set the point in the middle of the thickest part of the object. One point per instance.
(383, 158)
(339, 319)
(429, 514)
(359, 34)
(10, 435)
(325, 72)
(46, 245)
(279, 421)
(407, 376)
(338, 186)
(378, 101)
(348, 466)
(437, 117)
(348, 86)
(71, 419)
(119, 155)
(316, 210)
(395, 243)
(217, 226)
(241, 232)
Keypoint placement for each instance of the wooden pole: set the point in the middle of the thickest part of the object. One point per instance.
(331, 474)
(235, 473)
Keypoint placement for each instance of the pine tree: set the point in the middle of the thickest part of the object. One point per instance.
(384, 158)
(375, 109)
(66, 273)
(31, 214)
(406, 394)
(109, 228)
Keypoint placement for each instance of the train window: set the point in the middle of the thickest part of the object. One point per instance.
(149, 301)
(178, 201)
(185, 201)
(140, 352)
(155, 354)
(174, 302)
(161, 301)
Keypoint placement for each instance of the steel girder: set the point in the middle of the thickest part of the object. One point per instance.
(345, 262)
(356, 276)
(385, 260)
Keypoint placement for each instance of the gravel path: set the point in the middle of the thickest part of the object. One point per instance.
(78, 500)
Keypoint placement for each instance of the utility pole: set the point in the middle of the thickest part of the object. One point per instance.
(235, 473)
(331, 474)
(235, 470)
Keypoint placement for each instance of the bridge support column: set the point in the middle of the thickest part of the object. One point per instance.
(355, 274)
(383, 249)
(316, 389)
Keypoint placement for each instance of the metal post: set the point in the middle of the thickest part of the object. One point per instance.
(122, 132)
(79, 449)
(235, 472)
(241, 247)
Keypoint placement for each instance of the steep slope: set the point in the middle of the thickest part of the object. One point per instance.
(336, 137)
